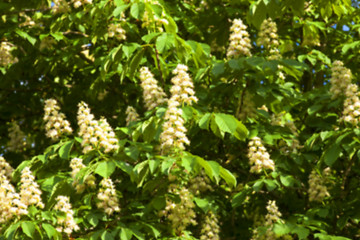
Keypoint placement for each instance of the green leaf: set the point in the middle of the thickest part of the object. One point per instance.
(202, 203)
(10, 231)
(258, 185)
(128, 49)
(120, 9)
(314, 108)
(126, 234)
(137, 10)
(218, 69)
(133, 152)
(28, 228)
(135, 61)
(297, 6)
(64, 151)
(58, 36)
(228, 177)
(106, 235)
(26, 36)
(348, 46)
(147, 38)
(322, 236)
(60, 188)
(331, 154)
(212, 169)
(154, 231)
(124, 166)
(241, 131)
(50, 230)
(105, 168)
(270, 184)
(239, 198)
(153, 164)
(188, 162)
(281, 229)
(164, 42)
(205, 121)
(167, 164)
(226, 123)
(287, 181)
(302, 232)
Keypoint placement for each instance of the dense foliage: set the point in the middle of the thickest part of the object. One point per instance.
(154, 119)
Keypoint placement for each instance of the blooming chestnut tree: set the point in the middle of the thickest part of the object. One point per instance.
(154, 119)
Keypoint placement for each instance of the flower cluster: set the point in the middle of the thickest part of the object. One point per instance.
(153, 94)
(115, 30)
(180, 214)
(60, 6)
(28, 21)
(76, 165)
(273, 216)
(248, 108)
(182, 90)
(149, 19)
(30, 194)
(95, 134)
(10, 201)
(131, 115)
(268, 38)
(107, 197)
(5, 168)
(6, 58)
(351, 112)
(340, 79)
(173, 134)
(239, 40)
(66, 224)
(210, 228)
(317, 189)
(79, 3)
(17, 138)
(259, 157)
(199, 184)
(56, 124)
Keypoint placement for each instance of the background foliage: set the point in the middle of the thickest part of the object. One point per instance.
(70, 57)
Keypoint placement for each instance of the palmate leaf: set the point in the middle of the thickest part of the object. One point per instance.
(221, 123)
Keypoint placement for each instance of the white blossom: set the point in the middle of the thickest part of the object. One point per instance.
(269, 39)
(76, 165)
(95, 134)
(340, 79)
(17, 138)
(30, 193)
(240, 44)
(107, 196)
(259, 157)
(56, 124)
(6, 58)
(317, 189)
(153, 94)
(131, 115)
(65, 224)
(180, 214)
(116, 31)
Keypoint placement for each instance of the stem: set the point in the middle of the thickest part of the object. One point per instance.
(347, 173)
(159, 67)
(241, 100)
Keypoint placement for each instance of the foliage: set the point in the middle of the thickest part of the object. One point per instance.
(92, 52)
